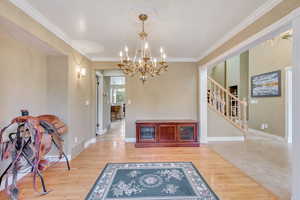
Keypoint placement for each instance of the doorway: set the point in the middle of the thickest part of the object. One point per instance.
(111, 101)
(99, 104)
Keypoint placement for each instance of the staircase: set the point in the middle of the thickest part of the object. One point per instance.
(228, 105)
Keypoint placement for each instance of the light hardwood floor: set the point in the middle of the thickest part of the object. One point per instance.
(227, 181)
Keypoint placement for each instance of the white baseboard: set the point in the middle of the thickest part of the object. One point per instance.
(132, 140)
(89, 142)
(101, 132)
(203, 140)
(56, 158)
(267, 135)
(226, 139)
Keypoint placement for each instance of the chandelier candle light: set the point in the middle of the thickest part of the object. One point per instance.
(143, 64)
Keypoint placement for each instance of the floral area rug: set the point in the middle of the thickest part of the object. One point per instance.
(151, 181)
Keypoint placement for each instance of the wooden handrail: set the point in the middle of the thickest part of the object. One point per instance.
(227, 105)
(226, 91)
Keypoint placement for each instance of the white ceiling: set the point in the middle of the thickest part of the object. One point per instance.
(185, 28)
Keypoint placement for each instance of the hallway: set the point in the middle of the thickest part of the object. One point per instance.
(115, 133)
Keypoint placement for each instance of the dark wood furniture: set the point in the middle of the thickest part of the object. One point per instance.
(116, 113)
(167, 133)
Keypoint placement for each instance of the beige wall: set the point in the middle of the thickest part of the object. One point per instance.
(23, 79)
(271, 110)
(81, 104)
(218, 126)
(244, 76)
(57, 88)
(218, 73)
(57, 91)
(105, 65)
(173, 95)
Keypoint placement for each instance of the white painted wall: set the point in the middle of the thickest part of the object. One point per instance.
(296, 106)
(203, 73)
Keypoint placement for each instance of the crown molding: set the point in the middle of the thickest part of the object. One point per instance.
(41, 19)
(116, 59)
(258, 13)
(179, 59)
(105, 59)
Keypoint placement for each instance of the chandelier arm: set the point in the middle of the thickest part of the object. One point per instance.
(143, 63)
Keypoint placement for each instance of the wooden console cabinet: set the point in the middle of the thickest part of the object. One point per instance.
(167, 133)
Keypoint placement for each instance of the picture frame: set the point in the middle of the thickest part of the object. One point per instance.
(266, 84)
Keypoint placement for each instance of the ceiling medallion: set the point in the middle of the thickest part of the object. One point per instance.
(143, 64)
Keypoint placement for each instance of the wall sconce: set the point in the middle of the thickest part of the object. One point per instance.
(81, 72)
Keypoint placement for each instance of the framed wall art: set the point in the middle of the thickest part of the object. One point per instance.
(266, 85)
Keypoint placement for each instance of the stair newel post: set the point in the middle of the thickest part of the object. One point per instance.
(245, 123)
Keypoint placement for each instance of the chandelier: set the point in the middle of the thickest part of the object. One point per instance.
(143, 64)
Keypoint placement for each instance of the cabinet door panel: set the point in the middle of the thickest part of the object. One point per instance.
(186, 132)
(167, 133)
(147, 133)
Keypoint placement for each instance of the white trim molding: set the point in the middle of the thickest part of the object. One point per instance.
(101, 132)
(226, 139)
(289, 105)
(116, 59)
(89, 142)
(258, 13)
(203, 104)
(130, 140)
(266, 135)
(55, 158)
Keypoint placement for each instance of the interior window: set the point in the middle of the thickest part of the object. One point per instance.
(117, 85)
(117, 80)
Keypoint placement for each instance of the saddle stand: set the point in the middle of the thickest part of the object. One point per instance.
(19, 147)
